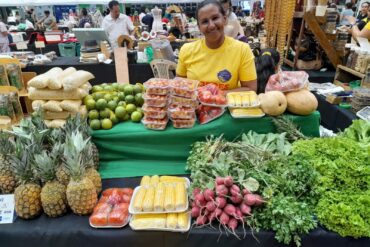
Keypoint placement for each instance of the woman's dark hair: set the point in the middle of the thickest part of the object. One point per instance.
(207, 2)
(266, 62)
(349, 5)
(113, 3)
(84, 12)
(47, 12)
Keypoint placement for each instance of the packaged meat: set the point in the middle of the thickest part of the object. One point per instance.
(157, 86)
(181, 101)
(155, 100)
(287, 81)
(207, 114)
(154, 112)
(155, 124)
(184, 87)
(183, 123)
(181, 112)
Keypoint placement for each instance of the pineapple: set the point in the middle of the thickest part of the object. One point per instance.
(8, 181)
(91, 173)
(62, 174)
(27, 194)
(81, 192)
(53, 193)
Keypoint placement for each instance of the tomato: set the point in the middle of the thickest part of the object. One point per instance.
(220, 100)
(127, 191)
(99, 219)
(126, 198)
(108, 192)
(102, 207)
(117, 218)
(114, 199)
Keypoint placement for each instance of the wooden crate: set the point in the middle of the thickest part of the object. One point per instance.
(345, 75)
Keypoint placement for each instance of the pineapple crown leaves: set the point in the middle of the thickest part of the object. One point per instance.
(45, 165)
(23, 163)
(7, 146)
(37, 119)
(76, 123)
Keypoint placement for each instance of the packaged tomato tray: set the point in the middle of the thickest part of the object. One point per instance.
(183, 123)
(287, 81)
(112, 209)
(155, 100)
(154, 112)
(184, 87)
(181, 101)
(155, 124)
(181, 112)
(211, 95)
(207, 114)
(157, 86)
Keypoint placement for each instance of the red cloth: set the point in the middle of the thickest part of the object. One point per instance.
(165, 20)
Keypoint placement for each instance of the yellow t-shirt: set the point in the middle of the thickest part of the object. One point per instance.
(225, 66)
(367, 26)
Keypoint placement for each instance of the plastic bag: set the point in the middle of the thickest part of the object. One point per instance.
(55, 82)
(14, 75)
(56, 123)
(71, 105)
(49, 115)
(52, 105)
(36, 104)
(48, 94)
(3, 76)
(41, 81)
(207, 114)
(287, 81)
(76, 79)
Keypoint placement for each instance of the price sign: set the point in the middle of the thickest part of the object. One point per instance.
(6, 209)
(40, 44)
(21, 46)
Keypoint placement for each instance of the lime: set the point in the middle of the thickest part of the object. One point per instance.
(108, 88)
(138, 89)
(115, 98)
(130, 108)
(115, 86)
(112, 105)
(121, 96)
(126, 117)
(120, 112)
(122, 103)
(87, 97)
(98, 95)
(90, 104)
(101, 104)
(93, 114)
(106, 124)
(97, 88)
(139, 101)
(108, 97)
(130, 99)
(113, 118)
(136, 116)
(95, 124)
(129, 89)
(121, 87)
(140, 110)
(104, 113)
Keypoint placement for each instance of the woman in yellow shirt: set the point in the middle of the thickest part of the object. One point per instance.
(216, 58)
(363, 33)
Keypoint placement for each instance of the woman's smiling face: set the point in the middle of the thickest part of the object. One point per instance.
(211, 22)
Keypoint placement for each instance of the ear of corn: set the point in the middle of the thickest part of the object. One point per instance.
(169, 199)
(171, 221)
(149, 199)
(171, 179)
(145, 221)
(183, 220)
(154, 180)
(145, 181)
(180, 195)
(139, 198)
(159, 198)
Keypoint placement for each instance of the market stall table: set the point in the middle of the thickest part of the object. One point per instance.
(72, 230)
(102, 72)
(129, 150)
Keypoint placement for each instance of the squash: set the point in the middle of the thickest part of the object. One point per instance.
(273, 103)
(301, 102)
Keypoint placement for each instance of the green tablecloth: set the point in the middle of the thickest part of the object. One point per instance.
(129, 150)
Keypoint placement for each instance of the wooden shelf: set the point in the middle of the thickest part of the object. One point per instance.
(351, 71)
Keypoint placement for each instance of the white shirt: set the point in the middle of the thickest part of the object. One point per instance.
(3, 39)
(141, 17)
(115, 28)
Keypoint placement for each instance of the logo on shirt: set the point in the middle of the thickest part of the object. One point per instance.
(224, 75)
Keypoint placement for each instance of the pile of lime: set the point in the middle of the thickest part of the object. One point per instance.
(109, 104)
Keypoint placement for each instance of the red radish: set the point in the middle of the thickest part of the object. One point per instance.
(245, 209)
(224, 218)
(218, 212)
(199, 200)
(210, 206)
(220, 202)
(258, 200)
(250, 199)
(196, 191)
(238, 214)
(235, 187)
(229, 209)
(229, 181)
(233, 223)
(221, 190)
(219, 180)
(209, 195)
(201, 220)
(193, 204)
(195, 212)
(212, 216)
(245, 192)
(206, 212)
(236, 199)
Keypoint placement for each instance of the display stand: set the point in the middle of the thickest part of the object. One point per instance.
(346, 75)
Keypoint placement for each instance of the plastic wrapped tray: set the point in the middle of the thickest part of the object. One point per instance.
(162, 229)
(364, 113)
(154, 112)
(248, 99)
(184, 87)
(181, 101)
(155, 124)
(181, 112)
(157, 86)
(155, 100)
(207, 114)
(183, 123)
(109, 226)
(211, 95)
(287, 81)
(246, 113)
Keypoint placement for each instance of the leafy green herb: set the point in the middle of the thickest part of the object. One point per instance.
(359, 131)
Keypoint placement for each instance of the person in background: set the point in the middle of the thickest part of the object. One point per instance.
(148, 20)
(142, 14)
(30, 16)
(177, 28)
(116, 24)
(346, 15)
(364, 21)
(267, 64)
(363, 12)
(4, 41)
(47, 22)
(85, 18)
(233, 26)
(217, 58)
(257, 7)
(362, 29)
(239, 12)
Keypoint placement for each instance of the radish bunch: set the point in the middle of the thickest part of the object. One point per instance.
(227, 204)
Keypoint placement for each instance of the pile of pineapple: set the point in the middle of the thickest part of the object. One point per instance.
(50, 170)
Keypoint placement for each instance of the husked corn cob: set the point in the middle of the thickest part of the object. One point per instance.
(169, 199)
(145, 221)
(180, 195)
(154, 180)
(238, 100)
(159, 198)
(171, 179)
(171, 221)
(183, 220)
(145, 181)
(139, 198)
(149, 199)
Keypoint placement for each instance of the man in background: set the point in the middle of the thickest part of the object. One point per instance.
(48, 22)
(4, 41)
(116, 24)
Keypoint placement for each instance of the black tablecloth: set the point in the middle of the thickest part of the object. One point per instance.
(103, 72)
(48, 48)
(332, 116)
(72, 230)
